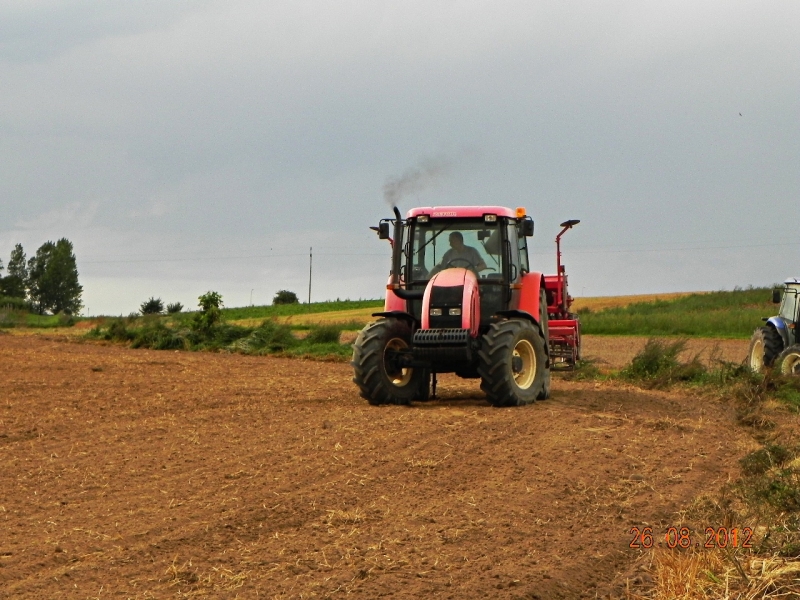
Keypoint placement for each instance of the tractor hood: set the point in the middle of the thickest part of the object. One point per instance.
(452, 301)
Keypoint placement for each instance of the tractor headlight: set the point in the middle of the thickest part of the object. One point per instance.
(489, 218)
(423, 219)
(436, 312)
(454, 312)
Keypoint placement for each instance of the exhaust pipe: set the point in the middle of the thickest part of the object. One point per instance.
(397, 254)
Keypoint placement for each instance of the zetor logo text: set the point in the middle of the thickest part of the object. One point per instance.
(445, 214)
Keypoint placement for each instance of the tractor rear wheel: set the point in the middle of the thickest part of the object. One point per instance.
(376, 365)
(789, 361)
(765, 345)
(513, 364)
(544, 321)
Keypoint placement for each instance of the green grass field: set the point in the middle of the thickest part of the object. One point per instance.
(733, 314)
(724, 314)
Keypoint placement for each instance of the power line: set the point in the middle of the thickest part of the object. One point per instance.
(207, 258)
(675, 249)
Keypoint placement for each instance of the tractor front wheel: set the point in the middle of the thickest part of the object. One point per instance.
(765, 345)
(789, 361)
(377, 364)
(513, 364)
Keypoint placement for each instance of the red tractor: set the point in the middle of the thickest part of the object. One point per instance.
(461, 298)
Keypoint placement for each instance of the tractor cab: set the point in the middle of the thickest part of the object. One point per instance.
(461, 298)
(489, 243)
(787, 316)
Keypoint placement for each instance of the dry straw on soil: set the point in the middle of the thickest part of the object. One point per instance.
(719, 574)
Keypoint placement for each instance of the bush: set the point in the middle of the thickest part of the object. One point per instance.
(65, 319)
(285, 297)
(13, 303)
(658, 364)
(175, 307)
(763, 459)
(210, 314)
(153, 306)
(116, 331)
(157, 336)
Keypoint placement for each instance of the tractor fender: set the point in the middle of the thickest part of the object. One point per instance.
(393, 302)
(781, 328)
(521, 314)
(532, 283)
(470, 297)
(399, 314)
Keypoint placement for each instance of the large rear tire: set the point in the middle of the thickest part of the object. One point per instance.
(789, 361)
(544, 321)
(376, 371)
(513, 364)
(765, 346)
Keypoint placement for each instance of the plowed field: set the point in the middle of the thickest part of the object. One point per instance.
(145, 474)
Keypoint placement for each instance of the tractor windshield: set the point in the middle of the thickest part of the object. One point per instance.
(445, 243)
(789, 303)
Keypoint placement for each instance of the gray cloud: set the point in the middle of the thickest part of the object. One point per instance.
(148, 131)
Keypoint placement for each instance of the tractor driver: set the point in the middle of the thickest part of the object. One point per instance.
(460, 255)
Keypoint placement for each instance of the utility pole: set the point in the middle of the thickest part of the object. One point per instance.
(251, 297)
(310, 261)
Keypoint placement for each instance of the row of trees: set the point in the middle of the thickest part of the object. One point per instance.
(48, 280)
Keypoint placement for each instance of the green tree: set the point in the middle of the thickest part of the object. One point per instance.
(53, 278)
(210, 313)
(285, 297)
(16, 281)
(153, 306)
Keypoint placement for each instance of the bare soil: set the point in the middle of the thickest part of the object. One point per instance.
(615, 352)
(145, 474)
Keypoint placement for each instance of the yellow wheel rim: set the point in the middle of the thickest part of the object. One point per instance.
(757, 356)
(791, 364)
(398, 377)
(527, 359)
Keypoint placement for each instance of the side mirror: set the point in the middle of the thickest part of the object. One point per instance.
(776, 296)
(383, 231)
(526, 227)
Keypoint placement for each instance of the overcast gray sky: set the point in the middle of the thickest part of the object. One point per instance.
(189, 146)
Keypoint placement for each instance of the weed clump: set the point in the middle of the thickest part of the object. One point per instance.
(658, 364)
(174, 307)
(764, 459)
(157, 336)
(324, 334)
(269, 337)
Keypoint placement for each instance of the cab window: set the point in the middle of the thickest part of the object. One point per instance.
(789, 303)
(431, 242)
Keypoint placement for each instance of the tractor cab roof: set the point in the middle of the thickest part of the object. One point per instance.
(792, 281)
(439, 212)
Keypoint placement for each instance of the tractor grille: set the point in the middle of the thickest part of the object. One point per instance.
(449, 345)
(441, 337)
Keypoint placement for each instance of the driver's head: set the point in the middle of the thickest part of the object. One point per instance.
(456, 240)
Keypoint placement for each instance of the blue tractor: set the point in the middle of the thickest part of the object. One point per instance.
(777, 344)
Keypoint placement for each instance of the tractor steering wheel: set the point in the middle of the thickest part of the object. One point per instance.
(470, 265)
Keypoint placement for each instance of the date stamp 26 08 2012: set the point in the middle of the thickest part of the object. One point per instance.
(683, 538)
